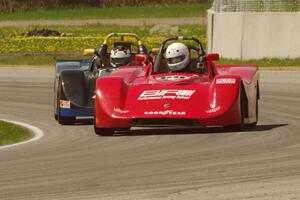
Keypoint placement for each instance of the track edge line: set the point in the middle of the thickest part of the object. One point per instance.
(37, 134)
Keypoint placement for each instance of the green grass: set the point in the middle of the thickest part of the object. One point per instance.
(103, 30)
(77, 43)
(266, 62)
(88, 36)
(36, 60)
(150, 11)
(31, 60)
(11, 133)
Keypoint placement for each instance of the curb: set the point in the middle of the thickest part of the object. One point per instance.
(37, 134)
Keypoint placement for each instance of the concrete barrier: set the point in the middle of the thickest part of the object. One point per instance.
(244, 35)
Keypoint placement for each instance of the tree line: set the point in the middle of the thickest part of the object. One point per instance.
(16, 5)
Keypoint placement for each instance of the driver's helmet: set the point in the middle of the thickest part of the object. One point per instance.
(178, 56)
(119, 56)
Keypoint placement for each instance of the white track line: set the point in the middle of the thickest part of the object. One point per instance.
(38, 133)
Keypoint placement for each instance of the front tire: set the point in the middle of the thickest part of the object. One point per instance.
(254, 123)
(66, 120)
(104, 131)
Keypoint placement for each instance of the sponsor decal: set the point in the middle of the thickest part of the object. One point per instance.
(225, 81)
(213, 110)
(166, 112)
(173, 78)
(64, 104)
(166, 94)
(118, 110)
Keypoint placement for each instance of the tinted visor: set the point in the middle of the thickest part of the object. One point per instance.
(120, 61)
(176, 59)
(121, 48)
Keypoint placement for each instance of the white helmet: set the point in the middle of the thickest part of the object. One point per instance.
(178, 56)
(119, 55)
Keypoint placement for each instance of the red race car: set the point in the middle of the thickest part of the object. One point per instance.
(184, 86)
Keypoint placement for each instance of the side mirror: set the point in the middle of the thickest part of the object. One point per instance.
(88, 52)
(213, 57)
(141, 58)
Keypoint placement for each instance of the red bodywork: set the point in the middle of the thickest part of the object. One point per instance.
(134, 94)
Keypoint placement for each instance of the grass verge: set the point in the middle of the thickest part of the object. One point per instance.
(45, 51)
(49, 60)
(88, 36)
(150, 11)
(266, 62)
(11, 133)
(103, 30)
(63, 44)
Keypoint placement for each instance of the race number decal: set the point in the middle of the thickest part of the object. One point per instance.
(64, 104)
(173, 78)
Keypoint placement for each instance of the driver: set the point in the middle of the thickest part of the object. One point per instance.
(119, 56)
(178, 57)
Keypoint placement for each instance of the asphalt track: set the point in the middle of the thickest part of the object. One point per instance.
(71, 163)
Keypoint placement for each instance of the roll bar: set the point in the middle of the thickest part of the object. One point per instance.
(122, 35)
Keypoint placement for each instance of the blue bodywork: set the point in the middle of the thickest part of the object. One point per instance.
(73, 112)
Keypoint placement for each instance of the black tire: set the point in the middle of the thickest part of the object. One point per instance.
(254, 123)
(104, 131)
(66, 120)
(63, 120)
(243, 109)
